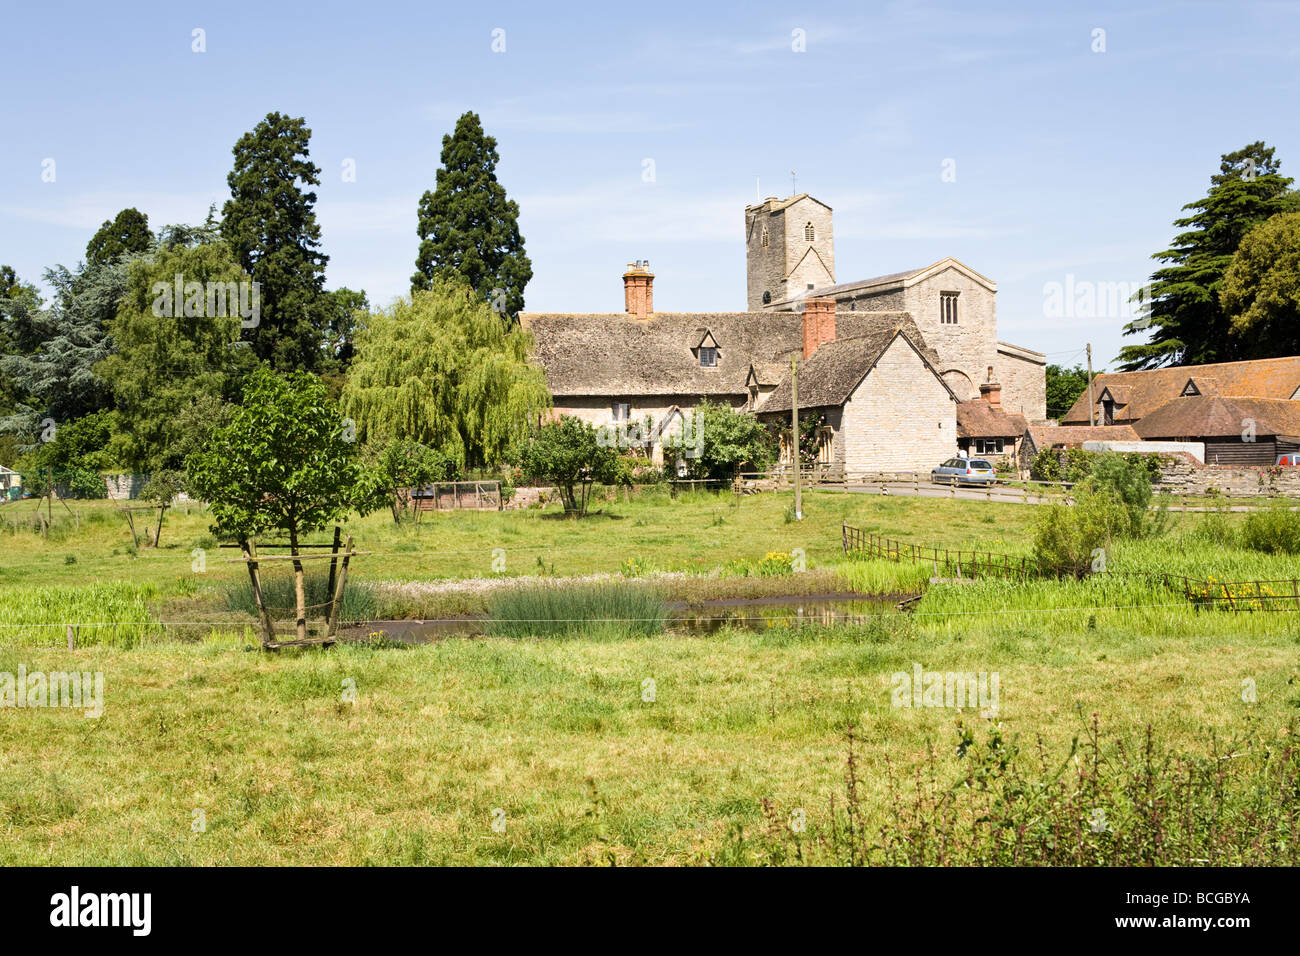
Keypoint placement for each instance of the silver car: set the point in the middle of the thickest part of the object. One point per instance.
(964, 471)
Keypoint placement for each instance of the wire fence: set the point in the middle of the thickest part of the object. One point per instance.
(1276, 595)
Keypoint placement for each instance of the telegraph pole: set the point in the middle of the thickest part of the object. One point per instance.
(794, 437)
(1092, 408)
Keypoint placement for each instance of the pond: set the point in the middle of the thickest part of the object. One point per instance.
(703, 618)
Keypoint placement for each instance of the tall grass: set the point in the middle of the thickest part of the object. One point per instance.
(278, 593)
(1100, 803)
(113, 613)
(605, 609)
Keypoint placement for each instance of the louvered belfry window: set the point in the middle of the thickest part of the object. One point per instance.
(948, 308)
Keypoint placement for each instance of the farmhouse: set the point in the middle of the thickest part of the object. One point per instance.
(901, 370)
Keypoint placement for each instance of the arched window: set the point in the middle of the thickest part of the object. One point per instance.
(767, 298)
(808, 232)
(763, 241)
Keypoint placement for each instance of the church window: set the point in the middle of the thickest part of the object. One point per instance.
(708, 356)
(763, 241)
(809, 233)
(767, 298)
(948, 308)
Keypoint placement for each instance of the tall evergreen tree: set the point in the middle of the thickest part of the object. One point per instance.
(125, 234)
(270, 224)
(1188, 324)
(468, 228)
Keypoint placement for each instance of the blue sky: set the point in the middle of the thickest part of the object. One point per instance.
(1067, 161)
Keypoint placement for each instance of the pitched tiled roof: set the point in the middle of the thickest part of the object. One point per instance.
(979, 419)
(615, 354)
(1214, 416)
(1072, 436)
(1148, 390)
(836, 368)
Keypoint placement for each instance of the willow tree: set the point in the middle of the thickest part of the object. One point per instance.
(442, 369)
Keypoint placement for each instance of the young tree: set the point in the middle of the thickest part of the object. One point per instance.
(441, 369)
(1188, 324)
(284, 462)
(468, 228)
(172, 354)
(1261, 289)
(126, 234)
(270, 223)
(568, 454)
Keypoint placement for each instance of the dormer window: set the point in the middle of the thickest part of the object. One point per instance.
(948, 308)
(708, 356)
(809, 234)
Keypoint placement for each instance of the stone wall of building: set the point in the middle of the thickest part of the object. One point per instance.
(900, 418)
(969, 346)
(1024, 385)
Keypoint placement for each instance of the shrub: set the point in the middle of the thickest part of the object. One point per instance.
(1128, 480)
(1068, 540)
(1275, 531)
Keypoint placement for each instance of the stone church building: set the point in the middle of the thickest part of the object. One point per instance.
(903, 369)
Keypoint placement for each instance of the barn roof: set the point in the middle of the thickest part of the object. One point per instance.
(1143, 392)
(1214, 416)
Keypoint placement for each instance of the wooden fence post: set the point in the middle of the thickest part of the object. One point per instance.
(338, 594)
(250, 560)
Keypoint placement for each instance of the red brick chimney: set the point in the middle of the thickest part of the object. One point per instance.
(638, 289)
(818, 324)
(991, 392)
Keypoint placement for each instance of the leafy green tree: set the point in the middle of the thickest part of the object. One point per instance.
(173, 354)
(401, 466)
(568, 454)
(1064, 386)
(284, 462)
(441, 369)
(1188, 324)
(716, 441)
(344, 309)
(468, 228)
(270, 224)
(1261, 289)
(126, 234)
(75, 455)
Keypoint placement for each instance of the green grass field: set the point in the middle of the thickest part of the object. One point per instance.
(618, 748)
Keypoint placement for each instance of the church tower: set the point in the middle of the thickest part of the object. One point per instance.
(789, 249)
